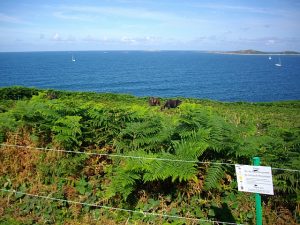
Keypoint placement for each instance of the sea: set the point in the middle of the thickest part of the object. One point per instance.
(170, 74)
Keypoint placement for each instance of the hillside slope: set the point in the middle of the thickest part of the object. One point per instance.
(137, 135)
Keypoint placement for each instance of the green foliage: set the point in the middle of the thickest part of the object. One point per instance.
(83, 187)
(123, 183)
(67, 131)
(181, 165)
(60, 166)
(150, 133)
(210, 128)
(17, 92)
(9, 221)
(193, 117)
(214, 175)
(162, 173)
(102, 124)
(7, 124)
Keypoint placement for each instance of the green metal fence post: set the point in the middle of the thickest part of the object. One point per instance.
(256, 162)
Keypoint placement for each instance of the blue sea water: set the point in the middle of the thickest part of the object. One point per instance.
(252, 78)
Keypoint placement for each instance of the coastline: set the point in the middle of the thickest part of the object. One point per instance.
(267, 54)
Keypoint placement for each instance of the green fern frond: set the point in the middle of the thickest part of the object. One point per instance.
(286, 181)
(123, 183)
(67, 131)
(148, 134)
(192, 119)
(213, 176)
(193, 147)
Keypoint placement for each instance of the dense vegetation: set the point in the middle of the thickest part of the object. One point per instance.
(198, 131)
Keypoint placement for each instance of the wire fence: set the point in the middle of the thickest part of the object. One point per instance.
(134, 157)
(124, 156)
(118, 209)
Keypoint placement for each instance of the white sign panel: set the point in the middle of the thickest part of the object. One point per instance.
(255, 179)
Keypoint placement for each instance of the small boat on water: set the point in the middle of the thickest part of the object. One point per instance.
(270, 57)
(279, 63)
(73, 59)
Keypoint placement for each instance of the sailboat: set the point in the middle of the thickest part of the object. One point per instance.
(73, 59)
(270, 57)
(279, 63)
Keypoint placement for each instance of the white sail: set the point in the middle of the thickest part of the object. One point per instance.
(279, 63)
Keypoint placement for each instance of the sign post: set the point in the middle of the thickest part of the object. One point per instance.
(255, 179)
(256, 162)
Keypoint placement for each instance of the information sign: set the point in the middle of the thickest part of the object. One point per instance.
(255, 179)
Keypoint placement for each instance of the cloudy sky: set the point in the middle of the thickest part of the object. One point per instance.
(58, 25)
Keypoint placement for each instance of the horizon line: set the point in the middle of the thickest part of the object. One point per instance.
(163, 50)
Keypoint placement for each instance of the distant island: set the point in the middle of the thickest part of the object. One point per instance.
(255, 52)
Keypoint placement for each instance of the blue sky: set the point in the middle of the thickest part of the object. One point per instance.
(58, 25)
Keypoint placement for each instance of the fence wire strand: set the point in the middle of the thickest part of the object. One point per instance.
(134, 157)
(117, 155)
(117, 209)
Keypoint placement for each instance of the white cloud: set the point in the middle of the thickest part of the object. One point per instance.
(128, 40)
(147, 40)
(125, 40)
(270, 42)
(58, 37)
